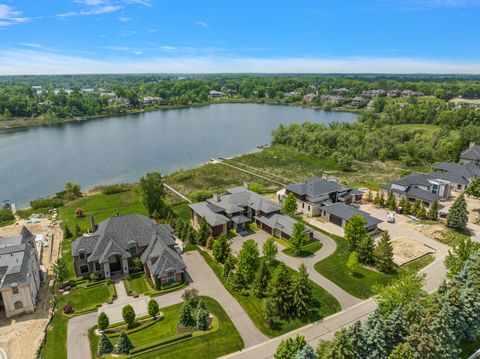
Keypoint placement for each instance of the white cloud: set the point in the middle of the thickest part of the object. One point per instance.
(147, 3)
(95, 11)
(202, 24)
(9, 16)
(124, 18)
(31, 44)
(18, 61)
(168, 48)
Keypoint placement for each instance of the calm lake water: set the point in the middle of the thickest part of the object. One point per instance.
(38, 161)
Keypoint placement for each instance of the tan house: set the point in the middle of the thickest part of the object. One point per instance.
(19, 274)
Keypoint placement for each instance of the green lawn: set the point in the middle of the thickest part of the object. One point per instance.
(419, 263)
(209, 346)
(334, 268)
(468, 348)
(307, 250)
(83, 299)
(323, 306)
(137, 284)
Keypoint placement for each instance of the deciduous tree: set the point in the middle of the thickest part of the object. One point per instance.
(247, 261)
(221, 248)
(355, 231)
(456, 258)
(204, 233)
(153, 308)
(353, 264)
(260, 283)
(153, 194)
(290, 204)
(270, 250)
(280, 291)
(299, 237)
(60, 270)
(289, 347)
(102, 321)
(128, 314)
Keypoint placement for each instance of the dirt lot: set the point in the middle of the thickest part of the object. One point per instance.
(405, 250)
(21, 337)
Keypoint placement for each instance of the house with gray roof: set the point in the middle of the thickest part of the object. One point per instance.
(19, 274)
(424, 187)
(314, 193)
(115, 242)
(470, 155)
(239, 207)
(458, 175)
(340, 214)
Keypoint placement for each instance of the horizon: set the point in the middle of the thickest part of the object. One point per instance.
(307, 37)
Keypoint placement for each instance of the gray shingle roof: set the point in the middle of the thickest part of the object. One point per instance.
(346, 212)
(210, 213)
(471, 153)
(16, 256)
(281, 222)
(315, 187)
(418, 179)
(468, 171)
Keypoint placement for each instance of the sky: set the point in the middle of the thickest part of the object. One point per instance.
(187, 36)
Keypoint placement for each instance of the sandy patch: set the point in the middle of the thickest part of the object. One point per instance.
(406, 250)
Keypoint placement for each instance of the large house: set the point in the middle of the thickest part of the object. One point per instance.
(19, 274)
(458, 175)
(340, 214)
(114, 242)
(314, 193)
(239, 207)
(420, 186)
(470, 155)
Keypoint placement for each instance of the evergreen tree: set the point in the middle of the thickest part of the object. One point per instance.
(201, 305)
(384, 254)
(403, 204)
(366, 248)
(421, 213)
(401, 351)
(307, 352)
(221, 248)
(396, 329)
(67, 233)
(153, 308)
(433, 211)
(279, 290)
(228, 266)
(376, 200)
(374, 335)
(381, 200)
(260, 283)
(248, 260)
(355, 231)
(102, 321)
(302, 292)
(289, 347)
(370, 196)
(391, 201)
(78, 231)
(270, 250)
(341, 347)
(186, 318)
(417, 207)
(290, 204)
(270, 311)
(237, 281)
(124, 344)
(299, 237)
(202, 319)
(203, 233)
(105, 346)
(457, 217)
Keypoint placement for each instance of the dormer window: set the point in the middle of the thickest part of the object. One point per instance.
(81, 255)
(15, 290)
(133, 249)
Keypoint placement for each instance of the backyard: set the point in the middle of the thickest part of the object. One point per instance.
(220, 340)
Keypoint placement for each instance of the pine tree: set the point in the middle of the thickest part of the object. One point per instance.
(290, 204)
(228, 266)
(186, 318)
(366, 249)
(391, 201)
(433, 211)
(421, 213)
(299, 237)
(203, 233)
(417, 207)
(355, 231)
(260, 283)
(302, 292)
(404, 205)
(370, 197)
(221, 248)
(376, 200)
(381, 200)
(124, 344)
(307, 352)
(279, 290)
(374, 335)
(202, 318)
(396, 329)
(102, 321)
(384, 254)
(105, 346)
(457, 217)
(270, 311)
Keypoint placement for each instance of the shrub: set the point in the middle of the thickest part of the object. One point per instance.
(202, 195)
(116, 188)
(68, 308)
(6, 216)
(53, 202)
(103, 322)
(153, 308)
(257, 187)
(190, 295)
(128, 315)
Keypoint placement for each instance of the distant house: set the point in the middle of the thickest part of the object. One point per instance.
(314, 193)
(470, 155)
(340, 214)
(458, 175)
(37, 89)
(292, 93)
(394, 93)
(215, 94)
(19, 274)
(228, 90)
(420, 186)
(120, 101)
(114, 242)
(406, 93)
(358, 101)
(341, 91)
(373, 93)
(151, 100)
(239, 207)
(331, 99)
(310, 97)
(465, 102)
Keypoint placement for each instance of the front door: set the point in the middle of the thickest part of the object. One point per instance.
(115, 264)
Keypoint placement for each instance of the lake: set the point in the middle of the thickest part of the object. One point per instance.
(38, 161)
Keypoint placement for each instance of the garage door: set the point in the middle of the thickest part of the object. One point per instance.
(336, 220)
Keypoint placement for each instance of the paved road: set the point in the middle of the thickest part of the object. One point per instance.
(329, 245)
(203, 278)
(326, 328)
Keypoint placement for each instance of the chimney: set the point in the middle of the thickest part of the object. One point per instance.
(246, 184)
(472, 144)
(92, 223)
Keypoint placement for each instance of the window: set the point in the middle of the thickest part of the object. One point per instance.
(84, 269)
(18, 305)
(459, 187)
(98, 267)
(171, 276)
(15, 290)
(133, 249)
(81, 255)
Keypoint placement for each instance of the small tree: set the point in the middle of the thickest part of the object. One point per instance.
(228, 266)
(289, 348)
(67, 233)
(186, 318)
(457, 217)
(366, 248)
(381, 200)
(78, 231)
(417, 207)
(153, 308)
(384, 254)
(102, 321)
(299, 237)
(221, 248)
(190, 295)
(152, 192)
(290, 204)
(473, 188)
(269, 250)
(433, 211)
(370, 197)
(128, 315)
(124, 344)
(355, 231)
(455, 260)
(260, 283)
(210, 242)
(352, 264)
(60, 270)
(391, 201)
(247, 261)
(204, 233)
(202, 318)
(270, 311)
(136, 264)
(307, 352)
(302, 292)
(105, 346)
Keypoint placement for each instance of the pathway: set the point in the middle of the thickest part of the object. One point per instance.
(204, 279)
(252, 173)
(177, 193)
(345, 299)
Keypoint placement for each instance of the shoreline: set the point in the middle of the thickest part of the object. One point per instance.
(32, 123)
